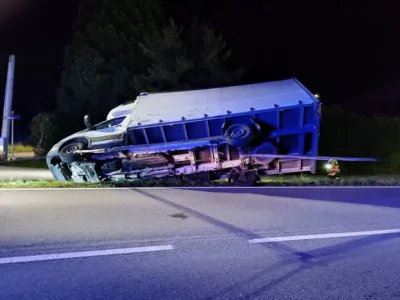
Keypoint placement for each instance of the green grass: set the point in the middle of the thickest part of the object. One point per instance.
(20, 148)
(175, 182)
(43, 184)
(321, 180)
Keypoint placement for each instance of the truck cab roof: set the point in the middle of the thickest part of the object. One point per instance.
(122, 110)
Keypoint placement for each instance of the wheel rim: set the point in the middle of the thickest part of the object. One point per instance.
(71, 149)
(237, 132)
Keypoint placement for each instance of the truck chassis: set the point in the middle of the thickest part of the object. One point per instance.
(214, 157)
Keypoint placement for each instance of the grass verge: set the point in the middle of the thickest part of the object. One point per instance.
(175, 182)
(43, 184)
(20, 148)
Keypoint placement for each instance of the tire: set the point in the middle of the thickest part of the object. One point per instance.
(239, 135)
(264, 148)
(66, 152)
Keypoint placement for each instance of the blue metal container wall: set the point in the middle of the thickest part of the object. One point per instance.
(295, 129)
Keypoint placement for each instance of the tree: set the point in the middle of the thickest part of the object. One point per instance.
(42, 132)
(185, 58)
(123, 47)
(103, 58)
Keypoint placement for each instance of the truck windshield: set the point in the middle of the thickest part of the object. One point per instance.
(109, 123)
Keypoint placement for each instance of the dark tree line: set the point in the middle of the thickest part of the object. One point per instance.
(123, 47)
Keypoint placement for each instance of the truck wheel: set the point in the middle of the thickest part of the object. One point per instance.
(66, 152)
(264, 148)
(239, 135)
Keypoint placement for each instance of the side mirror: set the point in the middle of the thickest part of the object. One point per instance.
(86, 120)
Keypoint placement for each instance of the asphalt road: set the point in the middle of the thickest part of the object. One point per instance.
(260, 243)
(15, 173)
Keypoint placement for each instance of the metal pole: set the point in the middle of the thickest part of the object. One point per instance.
(7, 108)
(12, 133)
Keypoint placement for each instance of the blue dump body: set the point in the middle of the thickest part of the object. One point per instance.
(287, 113)
(295, 129)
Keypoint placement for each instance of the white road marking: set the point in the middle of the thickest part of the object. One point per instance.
(322, 236)
(200, 188)
(19, 259)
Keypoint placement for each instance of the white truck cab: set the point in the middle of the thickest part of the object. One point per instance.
(109, 133)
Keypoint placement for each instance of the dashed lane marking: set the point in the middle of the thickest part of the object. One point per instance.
(58, 256)
(322, 236)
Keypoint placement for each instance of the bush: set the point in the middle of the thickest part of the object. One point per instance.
(43, 129)
(347, 134)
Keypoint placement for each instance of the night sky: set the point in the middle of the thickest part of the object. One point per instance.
(347, 53)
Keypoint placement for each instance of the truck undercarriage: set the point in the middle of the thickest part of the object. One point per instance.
(213, 156)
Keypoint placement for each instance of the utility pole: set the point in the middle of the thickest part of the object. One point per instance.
(12, 118)
(5, 129)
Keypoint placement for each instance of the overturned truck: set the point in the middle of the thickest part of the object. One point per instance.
(238, 132)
